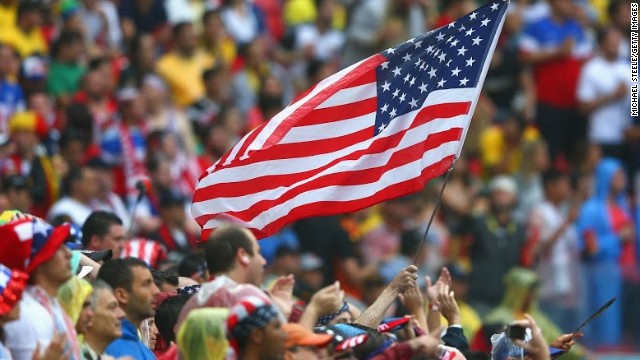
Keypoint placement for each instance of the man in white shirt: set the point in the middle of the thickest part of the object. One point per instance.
(48, 265)
(603, 94)
(552, 225)
(81, 189)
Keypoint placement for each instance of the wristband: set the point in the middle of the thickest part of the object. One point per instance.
(434, 307)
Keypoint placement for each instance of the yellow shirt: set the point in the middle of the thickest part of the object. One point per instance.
(25, 44)
(298, 12)
(493, 147)
(184, 75)
(7, 16)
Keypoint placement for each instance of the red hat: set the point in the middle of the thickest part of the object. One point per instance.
(28, 243)
(12, 283)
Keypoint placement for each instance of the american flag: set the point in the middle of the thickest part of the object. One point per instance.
(376, 130)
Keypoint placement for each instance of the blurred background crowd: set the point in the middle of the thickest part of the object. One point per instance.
(539, 214)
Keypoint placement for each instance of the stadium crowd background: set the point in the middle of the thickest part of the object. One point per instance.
(98, 94)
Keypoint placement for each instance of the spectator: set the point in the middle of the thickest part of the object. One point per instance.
(107, 200)
(25, 34)
(166, 317)
(620, 17)
(194, 266)
(248, 82)
(11, 96)
(325, 238)
(173, 233)
(234, 261)
(604, 98)
(366, 32)
(135, 291)
(104, 231)
(319, 41)
(142, 17)
(75, 298)
(203, 335)
(205, 110)
(556, 253)
(16, 187)
(501, 145)
(535, 160)
(142, 60)
(509, 83)
(162, 116)
(521, 298)
(241, 20)
(81, 189)
(496, 246)
(73, 147)
(166, 281)
(604, 225)
(215, 39)
(555, 47)
(254, 330)
(107, 319)
(48, 265)
(186, 85)
(11, 294)
(100, 18)
(124, 145)
(96, 94)
(384, 240)
(66, 70)
(234, 252)
(26, 127)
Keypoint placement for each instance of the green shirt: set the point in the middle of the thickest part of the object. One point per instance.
(64, 79)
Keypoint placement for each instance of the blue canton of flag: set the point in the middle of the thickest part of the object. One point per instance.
(449, 57)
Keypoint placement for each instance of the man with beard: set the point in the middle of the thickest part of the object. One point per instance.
(497, 245)
(135, 291)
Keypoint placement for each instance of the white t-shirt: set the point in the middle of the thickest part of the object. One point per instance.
(77, 211)
(556, 269)
(326, 45)
(600, 78)
(34, 326)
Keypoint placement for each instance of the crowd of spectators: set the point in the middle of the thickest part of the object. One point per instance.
(110, 110)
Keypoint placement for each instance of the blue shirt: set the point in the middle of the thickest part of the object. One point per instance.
(11, 101)
(129, 344)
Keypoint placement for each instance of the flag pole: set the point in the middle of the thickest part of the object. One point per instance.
(435, 209)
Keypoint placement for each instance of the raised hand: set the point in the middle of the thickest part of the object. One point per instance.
(55, 350)
(282, 293)
(328, 299)
(537, 347)
(448, 305)
(432, 289)
(405, 280)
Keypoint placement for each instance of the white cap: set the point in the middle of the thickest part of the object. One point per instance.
(503, 183)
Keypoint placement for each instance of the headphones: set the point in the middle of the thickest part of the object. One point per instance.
(244, 260)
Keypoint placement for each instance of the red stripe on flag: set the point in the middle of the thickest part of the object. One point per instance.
(339, 113)
(439, 111)
(326, 208)
(365, 176)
